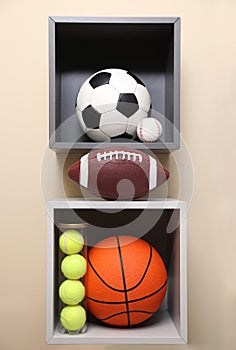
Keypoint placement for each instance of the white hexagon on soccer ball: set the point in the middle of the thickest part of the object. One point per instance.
(101, 96)
(84, 96)
(123, 82)
(81, 121)
(134, 120)
(97, 135)
(143, 97)
(113, 123)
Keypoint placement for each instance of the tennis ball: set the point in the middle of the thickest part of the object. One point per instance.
(71, 242)
(71, 292)
(74, 266)
(73, 317)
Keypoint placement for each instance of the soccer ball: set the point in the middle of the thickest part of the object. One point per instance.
(111, 103)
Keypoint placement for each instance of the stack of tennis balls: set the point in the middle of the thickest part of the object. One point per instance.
(72, 291)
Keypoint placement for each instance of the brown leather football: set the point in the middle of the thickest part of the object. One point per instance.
(118, 173)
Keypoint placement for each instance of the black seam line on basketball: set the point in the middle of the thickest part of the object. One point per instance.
(106, 284)
(130, 301)
(124, 312)
(129, 289)
(146, 270)
(123, 278)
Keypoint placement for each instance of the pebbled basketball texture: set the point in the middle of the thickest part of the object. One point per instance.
(126, 281)
(118, 173)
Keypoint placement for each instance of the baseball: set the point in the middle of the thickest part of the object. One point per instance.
(149, 130)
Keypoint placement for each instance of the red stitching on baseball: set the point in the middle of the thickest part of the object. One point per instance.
(141, 134)
(141, 130)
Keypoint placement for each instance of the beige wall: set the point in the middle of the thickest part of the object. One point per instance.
(208, 112)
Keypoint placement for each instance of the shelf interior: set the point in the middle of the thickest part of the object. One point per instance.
(81, 49)
(160, 331)
(159, 227)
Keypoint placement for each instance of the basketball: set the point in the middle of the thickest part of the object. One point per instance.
(126, 281)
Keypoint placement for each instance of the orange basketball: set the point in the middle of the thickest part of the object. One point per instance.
(126, 280)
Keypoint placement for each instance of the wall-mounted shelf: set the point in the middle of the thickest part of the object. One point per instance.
(79, 46)
(160, 222)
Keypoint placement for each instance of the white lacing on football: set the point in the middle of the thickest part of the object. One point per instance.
(125, 155)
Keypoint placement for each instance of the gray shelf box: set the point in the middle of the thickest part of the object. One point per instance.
(160, 222)
(147, 46)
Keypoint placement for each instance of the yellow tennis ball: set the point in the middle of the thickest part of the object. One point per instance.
(73, 318)
(74, 266)
(71, 292)
(71, 242)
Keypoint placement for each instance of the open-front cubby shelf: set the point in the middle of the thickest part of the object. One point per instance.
(80, 46)
(162, 223)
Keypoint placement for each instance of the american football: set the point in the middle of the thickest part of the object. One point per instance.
(111, 103)
(118, 173)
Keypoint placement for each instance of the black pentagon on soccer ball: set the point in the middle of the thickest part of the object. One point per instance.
(123, 137)
(136, 78)
(150, 111)
(100, 79)
(127, 104)
(91, 117)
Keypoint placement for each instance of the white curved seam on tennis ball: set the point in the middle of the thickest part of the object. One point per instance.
(75, 261)
(65, 321)
(65, 296)
(81, 310)
(80, 238)
(152, 173)
(65, 242)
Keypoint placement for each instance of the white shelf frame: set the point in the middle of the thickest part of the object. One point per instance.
(170, 330)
